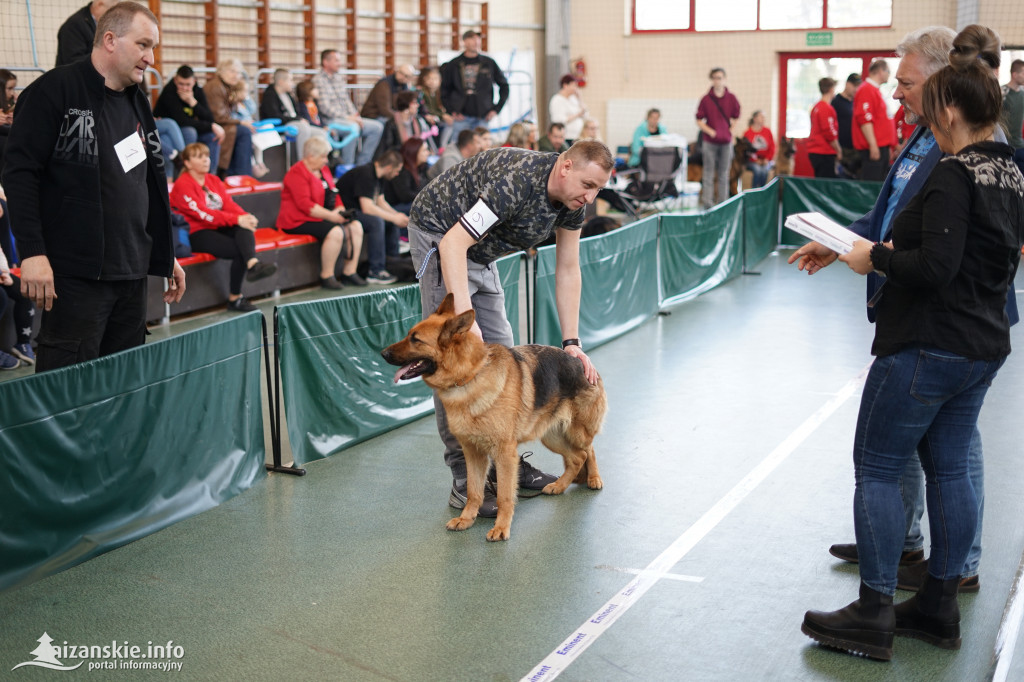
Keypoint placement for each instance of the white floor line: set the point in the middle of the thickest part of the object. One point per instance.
(1009, 627)
(570, 649)
(664, 576)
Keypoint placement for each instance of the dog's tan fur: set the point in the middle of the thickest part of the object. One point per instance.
(497, 397)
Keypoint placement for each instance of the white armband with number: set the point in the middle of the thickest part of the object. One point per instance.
(479, 219)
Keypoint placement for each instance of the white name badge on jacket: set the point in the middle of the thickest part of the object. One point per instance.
(130, 152)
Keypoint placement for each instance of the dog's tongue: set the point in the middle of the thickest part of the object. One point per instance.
(402, 370)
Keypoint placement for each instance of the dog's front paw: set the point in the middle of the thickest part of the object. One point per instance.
(595, 483)
(556, 488)
(459, 523)
(498, 533)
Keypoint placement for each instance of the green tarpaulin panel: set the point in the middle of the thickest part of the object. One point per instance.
(105, 452)
(841, 200)
(336, 389)
(760, 222)
(700, 251)
(620, 285)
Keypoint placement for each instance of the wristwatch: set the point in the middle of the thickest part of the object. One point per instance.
(572, 342)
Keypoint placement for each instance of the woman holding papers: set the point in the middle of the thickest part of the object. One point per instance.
(940, 337)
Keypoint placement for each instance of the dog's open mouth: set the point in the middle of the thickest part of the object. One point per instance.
(413, 370)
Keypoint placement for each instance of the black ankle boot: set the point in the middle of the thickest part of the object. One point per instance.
(932, 615)
(864, 627)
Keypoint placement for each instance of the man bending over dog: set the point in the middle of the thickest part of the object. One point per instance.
(496, 203)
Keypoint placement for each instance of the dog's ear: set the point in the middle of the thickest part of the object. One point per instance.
(447, 306)
(457, 325)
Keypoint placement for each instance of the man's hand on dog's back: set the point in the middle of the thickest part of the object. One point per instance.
(589, 370)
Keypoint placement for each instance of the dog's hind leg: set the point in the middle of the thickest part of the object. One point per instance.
(506, 465)
(476, 473)
(589, 473)
(572, 456)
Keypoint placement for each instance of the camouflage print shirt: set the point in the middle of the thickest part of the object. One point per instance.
(500, 197)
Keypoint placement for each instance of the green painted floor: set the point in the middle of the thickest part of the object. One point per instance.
(730, 427)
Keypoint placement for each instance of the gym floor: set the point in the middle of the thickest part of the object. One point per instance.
(727, 469)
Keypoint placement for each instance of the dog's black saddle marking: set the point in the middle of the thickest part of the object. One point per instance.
(555, 373)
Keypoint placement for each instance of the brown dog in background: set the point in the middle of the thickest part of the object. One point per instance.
(498, 397)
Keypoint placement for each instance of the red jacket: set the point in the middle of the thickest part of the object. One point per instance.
(869, 107)
(189, 199)
(762, 142)
(824, 129)
(301, 191)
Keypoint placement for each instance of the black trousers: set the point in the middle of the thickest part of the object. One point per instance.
(874, 170)
(90, 319)
(235, 244)
(824, 165)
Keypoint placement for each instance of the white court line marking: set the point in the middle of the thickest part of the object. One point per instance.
(1009, 627)
(667, 576)
(570, 649)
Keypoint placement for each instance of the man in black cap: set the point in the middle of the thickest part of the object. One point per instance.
(843, 104)
(467, 86)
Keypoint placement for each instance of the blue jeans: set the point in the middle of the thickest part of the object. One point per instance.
(241, 157)
(189, 135)
(468, 123)
(912, 490)
(760, 174)
(381, 239)
(928, 400)
(171, 140)
(369, 137)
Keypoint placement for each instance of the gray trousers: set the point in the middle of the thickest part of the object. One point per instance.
(488, 300)
(717, 164)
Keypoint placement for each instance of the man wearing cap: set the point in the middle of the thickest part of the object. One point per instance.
(467, 86)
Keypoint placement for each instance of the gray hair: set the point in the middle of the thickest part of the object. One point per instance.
(932, 43)
(315, 146)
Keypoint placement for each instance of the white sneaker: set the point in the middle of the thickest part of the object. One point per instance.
(382, 277)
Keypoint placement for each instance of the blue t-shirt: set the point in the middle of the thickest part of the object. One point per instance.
(906, 166)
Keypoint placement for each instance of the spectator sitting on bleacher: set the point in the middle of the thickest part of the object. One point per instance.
(278, 102)
(362, 188)
(217, 225)
(428, 84)
(8, 97)
(336, 107)
(236, 149)
(404, 124)
(523, 135)
(591, 130)
(650, 126)
(309, 205)
(380, 102)
(554, 141)
(75, 36)
(467, 144)
(245, 111)
(183, 101)
(403, 188)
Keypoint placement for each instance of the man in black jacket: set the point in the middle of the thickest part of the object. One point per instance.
(185, 102)
(74, 38)
(88, 195)
(467, 86)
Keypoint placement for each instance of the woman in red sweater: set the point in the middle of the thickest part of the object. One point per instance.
(762, 158)
(823, 143)
(309, 205)
(217, 225)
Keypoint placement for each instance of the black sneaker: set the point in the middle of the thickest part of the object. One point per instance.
(241, 305)
(531, 479)
(354, 279)
(331, 283)
(259, 271)
(381, 277)
(488, 508)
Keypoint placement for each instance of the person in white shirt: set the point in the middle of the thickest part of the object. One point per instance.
(567, 107)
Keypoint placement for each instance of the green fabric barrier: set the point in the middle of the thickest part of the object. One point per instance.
(620, 285)
(841, 200)
(760, 222)
(336, 388)
(99, 454)
(700, 251)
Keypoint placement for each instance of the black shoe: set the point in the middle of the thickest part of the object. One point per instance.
(331, 283)
(866, 626)
(259, 271)
(241, 305)
(354, 279)
(911, 578)
(932, 615)
(488, 508)
(849, 553)
(531, 479)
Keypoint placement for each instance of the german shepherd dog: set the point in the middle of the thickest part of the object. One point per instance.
(498, 397)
